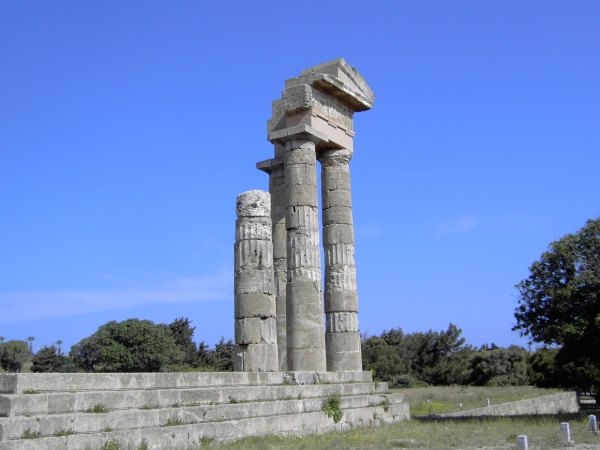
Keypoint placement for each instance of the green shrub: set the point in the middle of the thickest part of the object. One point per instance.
(331, 406)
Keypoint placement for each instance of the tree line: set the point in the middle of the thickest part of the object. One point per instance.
(132, 345)
(402, 359)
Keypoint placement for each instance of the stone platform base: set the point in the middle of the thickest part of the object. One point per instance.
(182, 410)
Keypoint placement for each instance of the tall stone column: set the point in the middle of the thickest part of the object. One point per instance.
(305, 333)
(342, 338)
(255, 324)
(274, 167)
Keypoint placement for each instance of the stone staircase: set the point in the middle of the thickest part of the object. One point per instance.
(140, 411)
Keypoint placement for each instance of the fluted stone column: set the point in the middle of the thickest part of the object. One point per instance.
(305, 333)
(274, 167)
(255, 324)
(342, 337)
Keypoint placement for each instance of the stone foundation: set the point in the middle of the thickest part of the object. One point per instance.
(182, 410)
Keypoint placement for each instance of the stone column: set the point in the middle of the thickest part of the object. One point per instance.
(305, 333)
(274, 167)
(255, 324)
(342, 338)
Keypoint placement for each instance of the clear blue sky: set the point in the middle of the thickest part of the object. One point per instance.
(128, 128)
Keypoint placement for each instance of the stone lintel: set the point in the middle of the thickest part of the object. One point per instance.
(341, 80)
(336, 88)
(299, 132)
(270, 165)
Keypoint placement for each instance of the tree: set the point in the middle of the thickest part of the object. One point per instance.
(438, 358)
(50, 359)
(496, 366)
(560, 304)
(130, 346)
(206, 357)
(14, 354)
(382, 358)
(409, 359)
(542, 368)
(223, 356)
(183, 333)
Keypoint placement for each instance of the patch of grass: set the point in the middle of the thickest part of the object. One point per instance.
(31, 391)
(143, 445)
(206, 441)
(111, 445)
(63, 432)
(233, 400)
(148, 407)
(431, 435)
(28, 434)
(386, 405)
(98, 408)
(331, 407)
(441, 399)
(107, 429)
(174, 421)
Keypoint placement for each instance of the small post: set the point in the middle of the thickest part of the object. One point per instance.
(593, 423)
(522, 442)
(488, 402)
(565, 433)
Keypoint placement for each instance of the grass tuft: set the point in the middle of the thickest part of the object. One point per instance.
(28, 434)
(98, 408)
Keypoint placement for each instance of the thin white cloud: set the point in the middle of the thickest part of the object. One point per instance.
(40, 304)
(462, 225)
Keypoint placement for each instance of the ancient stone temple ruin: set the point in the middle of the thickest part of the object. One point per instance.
(289, 365)
(313, 121)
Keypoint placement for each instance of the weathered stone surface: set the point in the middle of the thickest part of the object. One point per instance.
(348, 361)
(335, 180)
(338, 214)
(255, 309)
(341, 254)
(254, 204)
(338, 233)
(564, 402)
(257, 357)
(341, 278)
(252, 253)
(252, 282)
(274, 168)
(256, 330)
(254, 305)
(341, 322)
(340, 301)
(297, 98)
(253, 228)
(301, 196)
(302, 216)
(342, 340)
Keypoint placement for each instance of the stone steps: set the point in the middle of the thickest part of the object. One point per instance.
(70, 402)
(19, 383)
(53, 424)
(41, 416)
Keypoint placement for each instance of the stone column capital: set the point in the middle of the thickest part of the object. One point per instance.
(270, 166)
(297, 133)
(335, 157)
